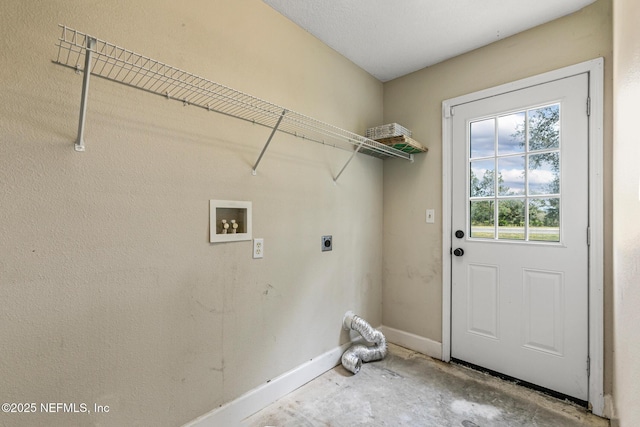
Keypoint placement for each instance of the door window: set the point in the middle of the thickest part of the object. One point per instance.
(514, 176)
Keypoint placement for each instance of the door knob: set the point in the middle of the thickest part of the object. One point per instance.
(458, 252)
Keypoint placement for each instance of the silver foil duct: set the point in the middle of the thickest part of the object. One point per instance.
(356, 354)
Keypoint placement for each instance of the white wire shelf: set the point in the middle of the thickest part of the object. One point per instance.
(83, 52)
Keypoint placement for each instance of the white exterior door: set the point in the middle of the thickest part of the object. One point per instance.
(519, 296)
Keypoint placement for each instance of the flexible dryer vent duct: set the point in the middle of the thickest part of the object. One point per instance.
(356, 354)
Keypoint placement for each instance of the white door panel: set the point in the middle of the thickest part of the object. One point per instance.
(520, 195)
(482, 300)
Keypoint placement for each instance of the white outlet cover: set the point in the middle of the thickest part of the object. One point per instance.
(258, 248)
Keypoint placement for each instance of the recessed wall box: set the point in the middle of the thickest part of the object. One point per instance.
(229, 221)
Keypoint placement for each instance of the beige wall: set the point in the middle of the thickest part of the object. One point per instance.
(412, 279)
(111, 292)
(626, 206)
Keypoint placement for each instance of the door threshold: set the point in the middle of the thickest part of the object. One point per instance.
(513, 380)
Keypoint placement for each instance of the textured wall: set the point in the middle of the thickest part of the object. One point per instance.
(626, 206)
(111, 292)
(412, 290)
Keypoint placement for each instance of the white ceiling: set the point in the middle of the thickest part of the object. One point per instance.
(391, 38)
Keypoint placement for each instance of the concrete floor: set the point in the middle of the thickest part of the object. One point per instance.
(410, 389)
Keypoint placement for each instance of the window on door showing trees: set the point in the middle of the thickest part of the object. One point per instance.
(514, 179)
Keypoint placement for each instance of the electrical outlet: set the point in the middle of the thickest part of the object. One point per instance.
(327, 243)
(430, 216)
(258, 248)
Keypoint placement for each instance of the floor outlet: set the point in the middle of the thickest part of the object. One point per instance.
(258, 248)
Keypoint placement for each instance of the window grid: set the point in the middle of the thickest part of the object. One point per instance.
(527, 196)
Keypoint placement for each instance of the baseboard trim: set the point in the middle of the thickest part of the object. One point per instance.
(609, 410)
(413, 342)
(232, 413)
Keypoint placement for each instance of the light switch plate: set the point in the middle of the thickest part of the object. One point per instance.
(431, 216)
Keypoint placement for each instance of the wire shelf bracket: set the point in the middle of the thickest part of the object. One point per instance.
(96, 57)
(91, 43)
(273, 131)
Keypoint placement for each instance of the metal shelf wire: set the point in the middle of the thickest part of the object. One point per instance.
(83, 52)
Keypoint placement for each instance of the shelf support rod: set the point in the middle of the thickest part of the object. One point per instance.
(348, 161)
(91, 43)
(273, 131)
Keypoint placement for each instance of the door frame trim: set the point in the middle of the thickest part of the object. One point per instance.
(595, 70)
